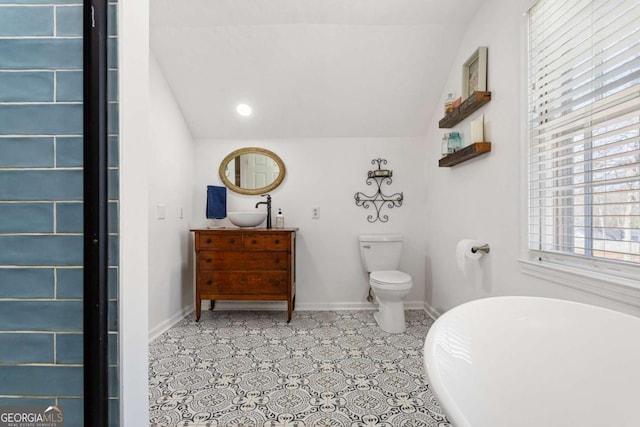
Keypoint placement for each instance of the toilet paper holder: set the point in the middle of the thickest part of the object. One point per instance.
(484, 248)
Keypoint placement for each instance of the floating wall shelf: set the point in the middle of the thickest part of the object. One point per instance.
(464, 110)
(467, 153)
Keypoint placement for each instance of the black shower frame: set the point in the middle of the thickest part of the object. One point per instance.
(96, 244)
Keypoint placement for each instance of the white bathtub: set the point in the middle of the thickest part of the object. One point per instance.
(539, 362)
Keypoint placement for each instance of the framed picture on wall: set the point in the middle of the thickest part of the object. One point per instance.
(474, 73)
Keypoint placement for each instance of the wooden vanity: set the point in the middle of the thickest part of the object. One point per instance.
(245, 264)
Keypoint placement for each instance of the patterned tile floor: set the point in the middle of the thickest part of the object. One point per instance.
(323, 369)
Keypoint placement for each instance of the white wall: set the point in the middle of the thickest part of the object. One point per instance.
(327, 173)
(483, 198)
(171, 291)
(133, 60)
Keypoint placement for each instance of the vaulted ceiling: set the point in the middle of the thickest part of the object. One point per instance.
(308, 68)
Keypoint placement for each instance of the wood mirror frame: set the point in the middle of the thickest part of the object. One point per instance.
(251, 191)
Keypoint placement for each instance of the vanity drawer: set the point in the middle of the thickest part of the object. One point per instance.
(219, 241)
(243, 283)
(245, 260)
(267, 241)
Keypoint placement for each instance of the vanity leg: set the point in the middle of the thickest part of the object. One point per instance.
(291, 305)
(198, 307)
(212, 304)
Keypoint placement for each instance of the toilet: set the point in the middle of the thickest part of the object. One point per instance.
(381, 257)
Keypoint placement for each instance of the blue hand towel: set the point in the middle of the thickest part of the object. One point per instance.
(216, 202)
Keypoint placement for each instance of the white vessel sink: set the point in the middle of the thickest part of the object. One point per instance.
(247, 219)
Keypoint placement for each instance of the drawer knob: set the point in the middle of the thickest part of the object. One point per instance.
(277, 260)
(276, 283)
(209, 260)
(208, 240)
(232, 240)
(254, 241)
(277, 241)
(209, 282)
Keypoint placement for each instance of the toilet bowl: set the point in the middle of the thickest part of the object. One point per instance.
(381, 256)
(391, 288)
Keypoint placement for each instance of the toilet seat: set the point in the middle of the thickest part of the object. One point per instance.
(390, 279)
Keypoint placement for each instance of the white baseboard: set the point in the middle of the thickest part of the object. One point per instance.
(169, 323)
(301, 306)
(336, 306)
(432, 312)
(414, 305)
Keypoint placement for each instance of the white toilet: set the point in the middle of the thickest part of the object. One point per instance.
(381, 257)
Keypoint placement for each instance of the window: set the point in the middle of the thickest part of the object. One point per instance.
(584, 130)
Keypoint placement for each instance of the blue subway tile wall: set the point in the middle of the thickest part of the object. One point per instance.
(69, 21)
(69, 151)
(41, 217)
(113, 151)
(69, 217)
(54, 250)
(69, 348)
(26, 348)
(62, 380)
(29, 401)
(32, 2)
(74, 411)
(20, 21)
(53, 184)
(41, 53)
(31, 283)
(113, 283)
(25, 152)
(69, 86)
(42, 315)
(26, 217)
(36, 86)
(112, 88)
(69, 283)
(57, 119)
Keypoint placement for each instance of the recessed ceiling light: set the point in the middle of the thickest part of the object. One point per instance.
(243, 110)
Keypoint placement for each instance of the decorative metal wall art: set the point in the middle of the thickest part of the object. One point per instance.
(378, 200)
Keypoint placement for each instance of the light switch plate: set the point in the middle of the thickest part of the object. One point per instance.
(161, 211)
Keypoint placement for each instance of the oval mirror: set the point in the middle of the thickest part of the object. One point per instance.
(252, 170)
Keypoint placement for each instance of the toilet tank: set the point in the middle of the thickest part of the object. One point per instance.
(380, 251)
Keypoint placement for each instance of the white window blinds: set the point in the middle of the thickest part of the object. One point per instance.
(584, 128)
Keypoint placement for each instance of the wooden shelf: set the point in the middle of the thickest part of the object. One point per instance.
(464, 110)
(467, 153)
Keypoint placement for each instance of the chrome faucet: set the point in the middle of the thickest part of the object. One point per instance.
(268, 203)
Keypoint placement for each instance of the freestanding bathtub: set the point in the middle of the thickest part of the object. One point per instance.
(535, 362)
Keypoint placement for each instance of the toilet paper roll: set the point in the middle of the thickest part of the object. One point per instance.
(463, 252)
